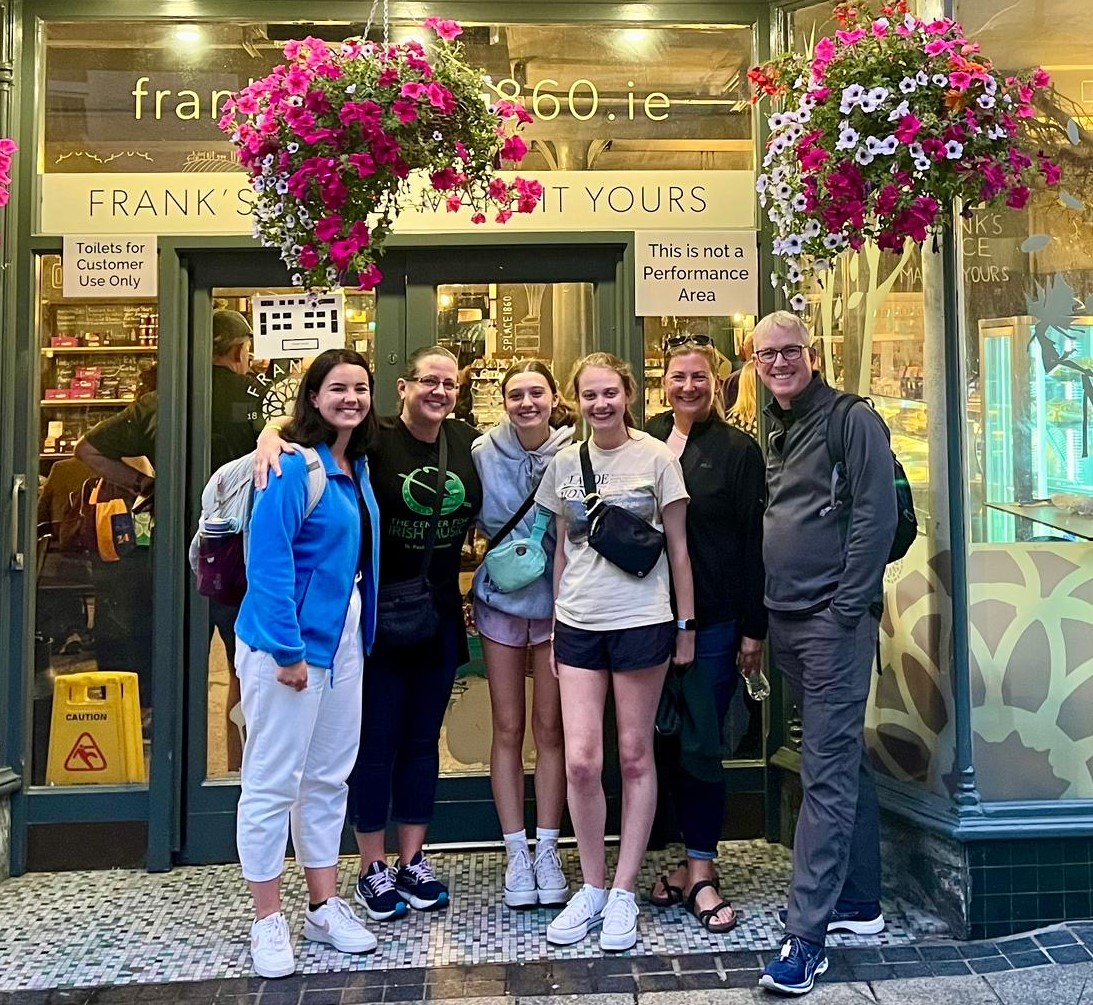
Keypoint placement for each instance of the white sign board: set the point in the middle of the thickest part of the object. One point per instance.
(101, 266)
(294, 327)
(704, 273)
(197, 203)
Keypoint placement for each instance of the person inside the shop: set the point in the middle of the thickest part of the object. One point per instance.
(234, 426)
(824, 594)
(407, 685)
(614, 630)
(744, 412)
(515, 629)
(723, 473)
(304, 629)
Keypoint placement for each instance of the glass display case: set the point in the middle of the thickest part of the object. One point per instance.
(1036, 483)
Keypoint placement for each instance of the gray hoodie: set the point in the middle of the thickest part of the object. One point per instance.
(509, 474)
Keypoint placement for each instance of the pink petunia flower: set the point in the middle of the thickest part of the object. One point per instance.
(447, 30)
(413, 89)
(513, 149)
(328, 228)
(404, 110)
(370, 278)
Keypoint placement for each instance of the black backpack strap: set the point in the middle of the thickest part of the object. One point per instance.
(438, 501)
(591, 496)
(836, 442)
(510, 524)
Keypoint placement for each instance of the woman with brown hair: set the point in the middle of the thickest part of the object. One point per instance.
(515, 629)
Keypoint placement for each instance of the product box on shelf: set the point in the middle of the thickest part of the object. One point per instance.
(63, 342)
(53, 393)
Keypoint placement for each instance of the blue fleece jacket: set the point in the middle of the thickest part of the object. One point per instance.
(300, 572)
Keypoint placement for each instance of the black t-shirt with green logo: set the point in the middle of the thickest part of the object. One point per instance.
(403, 473)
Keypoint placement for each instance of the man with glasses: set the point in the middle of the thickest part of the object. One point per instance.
(824, 591)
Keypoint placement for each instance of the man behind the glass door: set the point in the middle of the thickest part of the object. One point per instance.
(122, 450)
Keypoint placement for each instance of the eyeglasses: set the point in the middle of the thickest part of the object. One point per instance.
(432, 383)
(790, 353)
(675, 341)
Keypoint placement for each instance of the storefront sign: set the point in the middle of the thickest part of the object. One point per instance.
(297, 327)
(196, 203)
(701, 274)
(109, 266)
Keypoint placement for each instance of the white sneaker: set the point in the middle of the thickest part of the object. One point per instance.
(583, 912)
(337, 924)
(620, 922)
(271, 947)
(520, 881)
(550, 881)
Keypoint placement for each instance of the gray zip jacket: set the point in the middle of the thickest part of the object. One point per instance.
(508, 473)
(816, 556)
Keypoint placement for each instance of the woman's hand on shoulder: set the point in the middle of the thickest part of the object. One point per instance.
(268, 455)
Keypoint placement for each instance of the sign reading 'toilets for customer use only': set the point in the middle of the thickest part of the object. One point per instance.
(699, 273)
(101, 265)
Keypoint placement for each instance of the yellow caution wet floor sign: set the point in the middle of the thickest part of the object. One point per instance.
(94, 736)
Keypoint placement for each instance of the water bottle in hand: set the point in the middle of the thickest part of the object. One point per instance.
(757, 684)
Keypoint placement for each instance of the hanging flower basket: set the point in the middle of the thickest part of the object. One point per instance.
(330, 141)
(879, 130)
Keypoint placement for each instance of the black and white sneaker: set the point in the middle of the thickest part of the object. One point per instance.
(418, 886)
(376, 893)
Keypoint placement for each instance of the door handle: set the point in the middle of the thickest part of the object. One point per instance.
(18, 485)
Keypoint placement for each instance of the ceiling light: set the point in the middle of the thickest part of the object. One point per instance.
(188, 34)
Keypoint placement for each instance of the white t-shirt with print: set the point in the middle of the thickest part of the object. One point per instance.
(642, 476)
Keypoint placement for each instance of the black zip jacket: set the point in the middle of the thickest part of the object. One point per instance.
(723, 472)
(817, 556)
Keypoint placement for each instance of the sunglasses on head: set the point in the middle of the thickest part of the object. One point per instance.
(675, 341)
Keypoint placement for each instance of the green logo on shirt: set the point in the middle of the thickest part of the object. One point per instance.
(419, 487)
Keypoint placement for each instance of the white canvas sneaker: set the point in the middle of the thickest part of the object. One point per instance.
(271, 947)
(550, 881)
(520, 881)
(620, 922)
(583, 913)
(338, 925)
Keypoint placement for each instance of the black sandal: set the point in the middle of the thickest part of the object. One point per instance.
(673, 894)
(705, 918)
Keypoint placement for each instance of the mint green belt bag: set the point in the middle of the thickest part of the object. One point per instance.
(515, 565)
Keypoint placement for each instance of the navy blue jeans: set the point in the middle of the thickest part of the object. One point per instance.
(700, 806)
(406, 693)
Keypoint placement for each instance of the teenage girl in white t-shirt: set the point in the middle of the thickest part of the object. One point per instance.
(613, 630)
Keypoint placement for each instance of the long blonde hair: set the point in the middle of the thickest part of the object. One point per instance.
(609, 361)
(746, 407)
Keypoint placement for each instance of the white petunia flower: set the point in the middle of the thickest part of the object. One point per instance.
(782, 191)
(954, 150)
(863, 157)
(985, 101)
(888, 146)
(800, 203)
(940, 80)
(774, 277)
(873, 145)
(868, 105)
(798, 302)
(916, 150)
(848, 139)
(879, 94)
(812, 230)
(897, 113)
(851, 96)
(990, 85)
(793, 274)
(350, 88)
(922, 163)
(908, 85)
(761, 183)
(792, 244)
(833, 242)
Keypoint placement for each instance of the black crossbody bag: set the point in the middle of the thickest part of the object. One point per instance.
(406, 612)
(621, 537)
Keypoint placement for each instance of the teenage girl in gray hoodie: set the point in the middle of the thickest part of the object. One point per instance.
(510, 460)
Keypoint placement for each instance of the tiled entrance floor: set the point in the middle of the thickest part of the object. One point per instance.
(81, 929)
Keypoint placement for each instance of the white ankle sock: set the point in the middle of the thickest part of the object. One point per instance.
(618, 891)
(515, 842)
(545, 839)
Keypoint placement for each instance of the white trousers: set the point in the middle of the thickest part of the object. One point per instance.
(300, 749)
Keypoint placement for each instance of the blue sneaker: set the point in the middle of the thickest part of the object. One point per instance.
(858, 919)
(418, 886)
(796, 968)
(376, 893)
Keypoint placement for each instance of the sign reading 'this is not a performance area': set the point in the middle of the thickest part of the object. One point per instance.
(697, 273)
(109, 265)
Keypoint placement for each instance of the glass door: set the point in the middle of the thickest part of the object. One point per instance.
(491, 307)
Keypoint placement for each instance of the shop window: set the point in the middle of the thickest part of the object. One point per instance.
(144, 97)
(1027, 291)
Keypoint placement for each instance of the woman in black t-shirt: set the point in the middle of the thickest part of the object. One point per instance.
(407, 689)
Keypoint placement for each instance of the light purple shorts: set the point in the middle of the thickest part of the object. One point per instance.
(508, 629)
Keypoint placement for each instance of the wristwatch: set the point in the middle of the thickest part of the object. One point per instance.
(686, 624)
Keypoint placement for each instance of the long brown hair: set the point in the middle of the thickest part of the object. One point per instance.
(563, 413)
(609, 361)
(308, 427)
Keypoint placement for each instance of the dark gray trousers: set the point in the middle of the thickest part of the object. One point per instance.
(836, 847)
